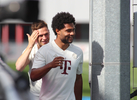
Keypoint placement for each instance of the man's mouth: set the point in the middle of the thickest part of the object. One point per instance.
(44, 42)
(70, 38)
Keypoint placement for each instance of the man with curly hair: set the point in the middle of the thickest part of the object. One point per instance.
(39, 37)
(59, 63)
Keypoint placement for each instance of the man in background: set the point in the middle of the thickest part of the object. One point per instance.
(39, 37)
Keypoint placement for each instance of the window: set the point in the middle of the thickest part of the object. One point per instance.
(82, 32)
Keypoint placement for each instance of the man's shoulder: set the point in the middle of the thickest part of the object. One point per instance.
(46, 46)
(76, 48)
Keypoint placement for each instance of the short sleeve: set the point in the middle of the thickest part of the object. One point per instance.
(79, 70)
(39, 60)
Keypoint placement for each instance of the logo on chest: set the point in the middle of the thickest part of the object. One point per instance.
(67, 66)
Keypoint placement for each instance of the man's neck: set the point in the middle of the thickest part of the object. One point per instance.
(62, 45)
(38, 46)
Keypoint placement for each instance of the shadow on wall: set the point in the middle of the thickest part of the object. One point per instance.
(97, 65)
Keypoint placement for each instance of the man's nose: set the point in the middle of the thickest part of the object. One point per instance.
(72, 33)
(44, 37)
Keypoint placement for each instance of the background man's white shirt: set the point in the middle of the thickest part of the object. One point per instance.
(35, 87)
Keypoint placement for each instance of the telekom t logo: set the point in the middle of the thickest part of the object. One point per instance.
(66, 67)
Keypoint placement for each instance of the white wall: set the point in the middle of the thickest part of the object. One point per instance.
(79, 9)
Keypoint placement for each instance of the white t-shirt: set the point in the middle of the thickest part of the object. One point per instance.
(35, 87)
(58, 83)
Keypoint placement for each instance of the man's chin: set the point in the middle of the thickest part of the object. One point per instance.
(44, 42)
(70, 41)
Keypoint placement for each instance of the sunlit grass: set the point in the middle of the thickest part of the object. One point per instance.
(133, 81)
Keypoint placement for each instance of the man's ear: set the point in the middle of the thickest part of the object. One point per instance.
(57, 31)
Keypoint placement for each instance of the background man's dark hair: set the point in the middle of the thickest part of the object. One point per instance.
(60, 19)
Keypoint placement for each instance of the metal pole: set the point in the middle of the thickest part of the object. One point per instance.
(110, 63)
(90, 44)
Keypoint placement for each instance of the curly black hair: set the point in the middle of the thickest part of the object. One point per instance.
(60, 19)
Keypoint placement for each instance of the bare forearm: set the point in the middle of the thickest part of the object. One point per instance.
(78, 88)
(38, 73)
(23, 60)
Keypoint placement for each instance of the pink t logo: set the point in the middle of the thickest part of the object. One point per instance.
(65, 67)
